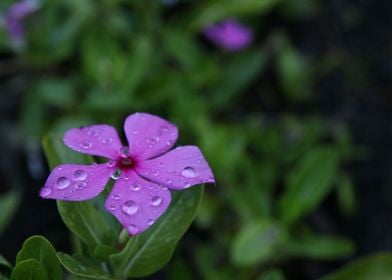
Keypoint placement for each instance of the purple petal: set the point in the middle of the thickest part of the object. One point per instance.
(178, 169)
(76, 182)
(99, 140)
(229, 35)
(148, 135)
(137, 203)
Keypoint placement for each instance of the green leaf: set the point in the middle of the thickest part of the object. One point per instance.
(308, 183)
(8, 207)
(257, 242)
(5, 266)
(83, 267)
(376, 267)
(214, 11)
(149, 251)
(29, 270)
(40, 249)
(273, 274)
(320, 247)
(346, 195)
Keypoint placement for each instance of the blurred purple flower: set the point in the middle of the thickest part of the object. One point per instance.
(145, 171)
(13, 19)
(229, 35)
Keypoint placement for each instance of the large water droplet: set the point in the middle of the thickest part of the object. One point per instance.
(156, 201)
(80, 175)
(62, 183)
(86, 145)
(80, 185)
(133, 229)
(124, 152)
(45, 191)
(130, 207)
(135, 187)
(116, 174)
(189, 172)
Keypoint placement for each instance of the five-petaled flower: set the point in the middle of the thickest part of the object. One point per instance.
(229, 35)
(144, 170)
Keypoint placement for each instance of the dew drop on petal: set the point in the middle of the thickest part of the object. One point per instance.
(86, 145)
(62, 183)
(106, 140)
(169, 181)
(150, 222)
(111, 163)
(45, 192)
(156, 201)
(112, 207)
(130, 207)
(80, 185)
(187, 185)
(116, 174)
(156, 173)
(116, 196)
(124, 151)
(169, 143)
(189, 172)
(135, 187)
(135, 131)
(132, 229)
(163, 129)
(79, 175)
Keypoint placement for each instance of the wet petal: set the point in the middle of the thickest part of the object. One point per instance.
(178, 169)
(137, 203)
(98, 140)
(149, 136)
(76, 182)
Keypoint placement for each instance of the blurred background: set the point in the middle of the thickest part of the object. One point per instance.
(289, 100)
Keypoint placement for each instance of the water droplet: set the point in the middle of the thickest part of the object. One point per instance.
(124, 151)
(169, 143)
(94, 164)
(59, 168)
(62, 183)
(93, 132)
(80, 175)
(163, 129)
(156, 201)
(86, 145)
(132, 229)
(189, 172)
(187, 185)
(130, 207)
(112, 207)
(126, 177)
(135, 132)
(152, 141)
(80, 185)
(116, 174)
(161, 164)
(169, 181)
(116, 196)
(106, 140)
(135, 187)
(156, 173)
(45, 191)
(150, 222)
(210, 180)
(111, 163)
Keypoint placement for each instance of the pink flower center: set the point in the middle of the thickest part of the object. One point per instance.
(123, 163)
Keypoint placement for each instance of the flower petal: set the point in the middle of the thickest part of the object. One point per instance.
(99, 140)
(178, 169)
(149, 136)
(137, 203)
(76, 182)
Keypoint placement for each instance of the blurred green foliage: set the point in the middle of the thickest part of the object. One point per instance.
(98, 61)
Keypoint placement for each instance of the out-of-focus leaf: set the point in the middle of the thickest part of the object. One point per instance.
(5, 266)
(41, 250)
(56, 92)
(29, 270)
(346, 195)
(82, 218)
(149, 251)
(83, 267)
(369, 268)
(213, 11)
(257, 242)
(308, 183)
(207, 264)
(8, 206)
(273, 274)
(237, 75)
(320, 247)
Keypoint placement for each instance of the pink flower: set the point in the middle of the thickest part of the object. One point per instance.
(229, 35)
(144, 170)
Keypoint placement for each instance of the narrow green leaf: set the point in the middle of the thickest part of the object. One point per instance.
(346, 195)
(29, 270)
(257, 242)
(149, 251)
(83, 267)
(41, 250)
(320, 247)
(308, 183)
(376, 267)
(5, 266)
(8, 207)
